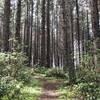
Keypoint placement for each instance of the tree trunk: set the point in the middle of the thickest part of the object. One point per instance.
(48, 33)
(43, 50)
(18, 21)
(78, 28)
(96, 31)
(6, 27)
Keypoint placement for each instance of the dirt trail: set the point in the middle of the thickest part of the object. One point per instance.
(49, 91)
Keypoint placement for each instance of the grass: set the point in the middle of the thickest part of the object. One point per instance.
(32, 91)
(67, 93)
(79, 91)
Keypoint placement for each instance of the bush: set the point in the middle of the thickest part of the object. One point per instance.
(11, 63)
(4, 88)
(24, 76)
(41, 70)
(3, 64)
(88, 83)
(89, 91)
(86, 75)
(55, 72)
(9, 88)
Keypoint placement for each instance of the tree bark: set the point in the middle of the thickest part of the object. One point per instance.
(18, 21)
(43, 47)
(6, 26)
(48, 33)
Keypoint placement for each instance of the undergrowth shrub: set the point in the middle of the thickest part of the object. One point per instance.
(56, 72)
(4, 88)
(90, 91)
(24, 76)
(9, 87)
(41, 70)
(86, 75)
(88, 83)
(80, 91)
(11, 63)
(13, 74)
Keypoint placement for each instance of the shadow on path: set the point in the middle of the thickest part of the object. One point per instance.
(49, 91)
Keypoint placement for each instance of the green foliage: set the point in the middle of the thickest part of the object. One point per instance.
(80, 91)
(9, 87)
(41, 70)
(11, 63)
(4, 88)
(20, 88)
(87, 61)
(86, 88)
(56, 72)
(24, 76)
(69, 92)
(89, 91)
(88, 83)
(31, 91)
(86, 75)
(13, 75)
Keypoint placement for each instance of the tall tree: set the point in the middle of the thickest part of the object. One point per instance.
(31, 34)
(48, 33)
(43, 50)
(68, 42)
(95, 26)
(6, 25)
(78, 27)
(72, 31)
(27, 32)
(18, 21)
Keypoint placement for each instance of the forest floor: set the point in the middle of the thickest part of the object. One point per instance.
(50, 88)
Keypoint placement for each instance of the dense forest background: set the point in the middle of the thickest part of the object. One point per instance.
(62, 35)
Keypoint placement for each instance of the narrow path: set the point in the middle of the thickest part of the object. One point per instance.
(49, 91)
